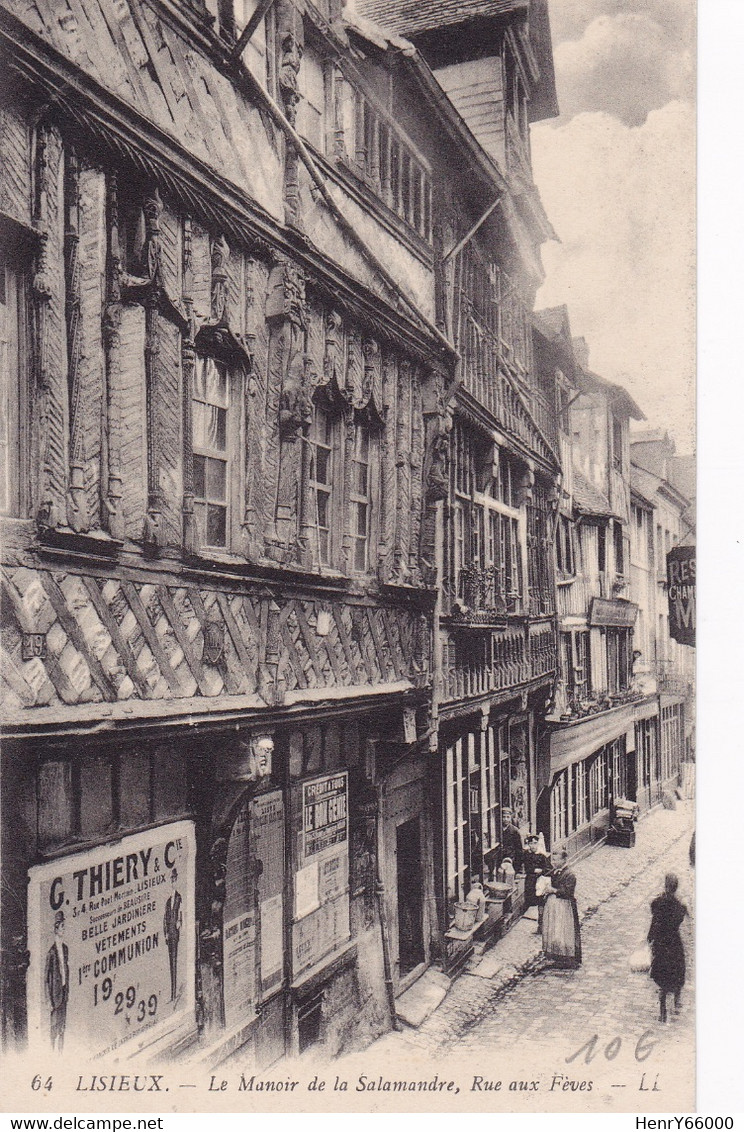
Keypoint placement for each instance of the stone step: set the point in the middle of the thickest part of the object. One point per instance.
(420, 1000)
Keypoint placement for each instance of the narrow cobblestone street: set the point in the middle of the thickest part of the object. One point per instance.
(510, 1010)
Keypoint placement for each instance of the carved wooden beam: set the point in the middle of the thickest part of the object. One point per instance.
(152, 531)
(48, 395)
(111, 483)
(188, 367)
(77, 506)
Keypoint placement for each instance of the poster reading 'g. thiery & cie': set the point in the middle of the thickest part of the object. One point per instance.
(112, 960)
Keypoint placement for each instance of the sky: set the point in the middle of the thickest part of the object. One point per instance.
(616, 173)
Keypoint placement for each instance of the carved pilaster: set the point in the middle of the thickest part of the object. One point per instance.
(255, 391)
(417, 460)
(289, 397)
(291, 42)
(333, 356)
(111, 484)
(386, 542)
(371, 355)
(188, 367)
(435, 487)
(403, 470)
(153, 527)
(219, 291)
(77, 506)
(48, 514)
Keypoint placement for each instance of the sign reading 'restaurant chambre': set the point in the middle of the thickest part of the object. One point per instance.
(682, 583)
(111, 941)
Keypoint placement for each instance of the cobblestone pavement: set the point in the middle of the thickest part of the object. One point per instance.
(523, 1002)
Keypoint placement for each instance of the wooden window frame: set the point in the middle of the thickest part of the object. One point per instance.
(579, 794)
(321, 110)
(15, 358)
(362, 499)
(227, 456)
(332, 448)
(559, 799)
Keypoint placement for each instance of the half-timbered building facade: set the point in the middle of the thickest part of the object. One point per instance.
(496, 641)
(277, 509)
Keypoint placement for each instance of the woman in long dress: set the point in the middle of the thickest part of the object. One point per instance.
(667, 953)
(560, 926)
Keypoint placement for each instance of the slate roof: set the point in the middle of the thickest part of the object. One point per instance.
(409, 17)
(587, 498)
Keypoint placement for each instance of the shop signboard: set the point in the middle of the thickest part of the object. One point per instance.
(681, 581)
(612, 613)
(111, 942)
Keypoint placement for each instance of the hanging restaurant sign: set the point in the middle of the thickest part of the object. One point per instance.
(681, 582)
(111, 942)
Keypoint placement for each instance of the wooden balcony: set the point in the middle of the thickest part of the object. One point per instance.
(475, 663)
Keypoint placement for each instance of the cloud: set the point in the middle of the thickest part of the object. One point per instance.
(570, 18)
(622, 202)
(623, 65)
(627, 60)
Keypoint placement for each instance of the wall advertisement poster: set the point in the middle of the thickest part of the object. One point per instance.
(111, 941)
(321, 906)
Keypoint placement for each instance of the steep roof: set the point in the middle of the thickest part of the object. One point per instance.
(552, 324)
(427, 19)
(589, 382)
(588, 499)
(412, 17)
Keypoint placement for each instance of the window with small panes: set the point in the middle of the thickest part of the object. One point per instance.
(210, 415)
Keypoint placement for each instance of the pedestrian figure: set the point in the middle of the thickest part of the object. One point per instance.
(560, 927)
(511, 844)
(536, 865)
(667, 953)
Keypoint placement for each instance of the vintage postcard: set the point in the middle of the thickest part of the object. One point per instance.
(348, 556)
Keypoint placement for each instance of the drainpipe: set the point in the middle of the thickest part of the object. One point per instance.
(382, 913)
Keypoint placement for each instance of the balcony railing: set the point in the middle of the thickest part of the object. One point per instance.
(483, 598)
(572, 705)
(492, 661)
(491, 330)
